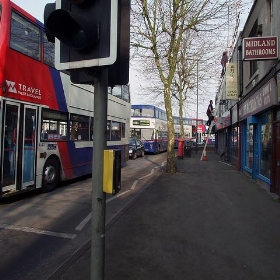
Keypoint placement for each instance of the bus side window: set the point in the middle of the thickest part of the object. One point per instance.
(74, 131)
(48, 52)
(25, 37)
(115, 131)
(54, 125)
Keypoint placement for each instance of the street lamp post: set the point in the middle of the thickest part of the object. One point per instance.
(196, 101)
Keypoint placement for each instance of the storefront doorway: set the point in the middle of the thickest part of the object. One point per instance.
(277, 158)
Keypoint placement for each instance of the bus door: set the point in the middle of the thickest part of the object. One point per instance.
(19, 146)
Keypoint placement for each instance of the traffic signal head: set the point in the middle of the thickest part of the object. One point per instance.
(85, 32)
(75, 31)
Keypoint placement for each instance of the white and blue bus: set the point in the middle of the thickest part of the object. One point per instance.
(149, 124)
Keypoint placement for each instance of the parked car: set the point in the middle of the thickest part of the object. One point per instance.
(136, 148)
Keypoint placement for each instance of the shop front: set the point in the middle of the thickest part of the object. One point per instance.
(234, 137)
(276, 138)
(256, 116)
(223, 136)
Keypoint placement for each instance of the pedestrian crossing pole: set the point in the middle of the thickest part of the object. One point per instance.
(98, 196)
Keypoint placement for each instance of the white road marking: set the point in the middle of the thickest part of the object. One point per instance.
(84, 222)
(152, 171)
(89, 216)
(116, 196)
(38, 231)
(134, 185)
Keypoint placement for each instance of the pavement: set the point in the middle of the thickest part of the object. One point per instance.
(208, 221)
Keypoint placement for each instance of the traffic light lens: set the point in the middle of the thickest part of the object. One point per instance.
(73, 30)
(79, 40)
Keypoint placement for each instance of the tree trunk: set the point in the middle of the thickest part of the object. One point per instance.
(171, 159)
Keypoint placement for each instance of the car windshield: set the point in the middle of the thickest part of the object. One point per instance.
(132, 143)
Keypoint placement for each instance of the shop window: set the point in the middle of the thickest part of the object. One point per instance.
(234, 141)
(265, 156)
(249, 146)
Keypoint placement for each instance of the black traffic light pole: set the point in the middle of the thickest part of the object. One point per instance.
(98, 196)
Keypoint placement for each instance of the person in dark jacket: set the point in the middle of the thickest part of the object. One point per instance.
(209, 113)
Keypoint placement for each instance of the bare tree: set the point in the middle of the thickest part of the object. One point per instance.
(157, 33)
(196, 66)
(198, 62)
(185, 76)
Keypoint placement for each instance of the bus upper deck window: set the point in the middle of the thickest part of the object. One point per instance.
(48, 52)
(25, 37)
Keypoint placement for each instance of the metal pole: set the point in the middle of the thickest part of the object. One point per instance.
(98, 196)
(196, 102)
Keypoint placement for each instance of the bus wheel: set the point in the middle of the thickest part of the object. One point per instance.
(50, 175)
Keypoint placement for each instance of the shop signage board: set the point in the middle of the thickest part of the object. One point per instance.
(262, 99)
(260, 48)
(231, 81)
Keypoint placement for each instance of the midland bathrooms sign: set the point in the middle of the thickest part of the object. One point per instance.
(259, 48)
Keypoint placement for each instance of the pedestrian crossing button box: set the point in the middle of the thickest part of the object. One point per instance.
(112, 171)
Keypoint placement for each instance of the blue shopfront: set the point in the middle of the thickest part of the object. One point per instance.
(256, 117)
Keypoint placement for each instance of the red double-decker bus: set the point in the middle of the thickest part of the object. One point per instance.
(46, 122)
